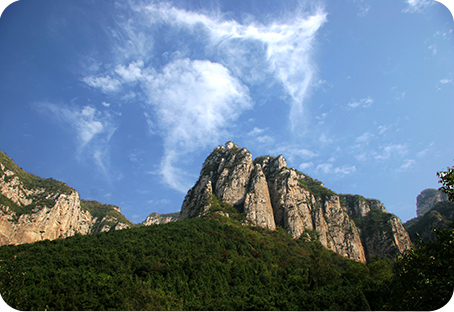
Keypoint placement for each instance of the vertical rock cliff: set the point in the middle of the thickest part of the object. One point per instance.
(270, 194)
(427, 199)
(382, 234)
(33, 209)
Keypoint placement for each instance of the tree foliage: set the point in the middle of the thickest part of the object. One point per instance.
(447, 179)
(210, 263)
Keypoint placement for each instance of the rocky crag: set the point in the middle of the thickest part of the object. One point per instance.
(269, 194)
(427, 199)
(156, 218)
(34, 209)
(433, 211)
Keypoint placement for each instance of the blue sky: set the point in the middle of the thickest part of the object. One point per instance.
(124, 100)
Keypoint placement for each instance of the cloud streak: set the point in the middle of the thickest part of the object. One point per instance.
(194, 90)
(193, 102)
(93, 130)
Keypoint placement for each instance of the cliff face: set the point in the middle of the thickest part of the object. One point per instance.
(33, 209)
(270, 194)
(439, 216)
(156, 218)
(427, 199)
(382, 234)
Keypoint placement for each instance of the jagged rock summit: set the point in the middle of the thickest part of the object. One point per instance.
(427, 199)
(269, 194)
(34, 209)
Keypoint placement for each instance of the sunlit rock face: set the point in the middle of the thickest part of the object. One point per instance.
(427, 199)
(272, 195)
(34, 209)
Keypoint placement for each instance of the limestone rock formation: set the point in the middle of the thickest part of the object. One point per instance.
(427, 199)
(156, 218)
(382, 234)
(439, 216)
(33, 209)
(270, 194)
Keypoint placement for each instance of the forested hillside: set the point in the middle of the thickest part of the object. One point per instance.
(210, 263)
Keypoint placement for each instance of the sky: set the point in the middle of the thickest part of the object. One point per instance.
(124, 100)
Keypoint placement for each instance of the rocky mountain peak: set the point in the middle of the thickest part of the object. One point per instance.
(34, 209)
(270, 194)
(427, 199)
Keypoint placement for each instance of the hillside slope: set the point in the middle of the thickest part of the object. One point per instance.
(33, 209)
(269, 194)
(207, 263)
(440, 216)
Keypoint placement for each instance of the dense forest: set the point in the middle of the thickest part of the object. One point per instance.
(215, 263)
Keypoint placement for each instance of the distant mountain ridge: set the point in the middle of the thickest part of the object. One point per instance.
(34, 209)
(427, 199)
(434, 211)
(261, 192)
(266, 193)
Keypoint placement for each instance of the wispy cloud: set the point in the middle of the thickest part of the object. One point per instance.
(106, 83)
(193, 102)
(93, 130)
(328, 168)
(364, 138)
(445, 81)
(392, 150)
(195, 90)
(417, 6)
(366, 102)
(407, 165)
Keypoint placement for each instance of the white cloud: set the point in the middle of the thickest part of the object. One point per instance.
(131, 73)
(366, 102)
(408, 164)
(93, 130)
(392, 150)
(256, 131)
(106, 83)
(265, 139)
(445, 81)
(328, 168)
(363, 10)
(364, 138)
(195, 90)
(292, 152)
(324, 139)
(382, 129)
(249, 50)
(305, 165)
(417, 6)
(194, 102)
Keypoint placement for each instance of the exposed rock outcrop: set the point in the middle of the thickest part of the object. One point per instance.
(64, 219)
(440, 216)
(156, 218)
(382, 234)
(427, 199)
(34, 209)
(270, 194)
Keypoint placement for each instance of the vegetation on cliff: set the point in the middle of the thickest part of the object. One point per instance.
(44, 191)
(31, 181)
(110, 213)
(210, 263)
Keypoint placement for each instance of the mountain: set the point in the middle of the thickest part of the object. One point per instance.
(264, 192)
(34, 209)
(156, 218)
(212, 263)
(433, 211)
(427, 199)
